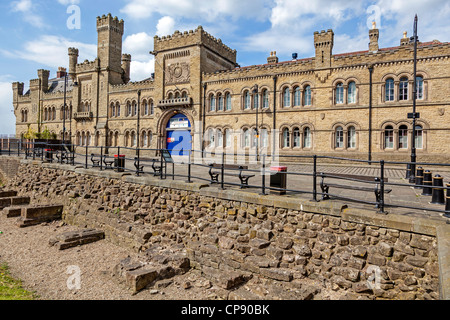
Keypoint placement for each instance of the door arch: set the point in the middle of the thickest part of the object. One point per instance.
(178, 138)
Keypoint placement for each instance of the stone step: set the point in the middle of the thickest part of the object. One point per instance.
(137, 275)
(72, 239)
(13, 201)
(7, 194)
(225, 279)
(34, 215)
(13, 212)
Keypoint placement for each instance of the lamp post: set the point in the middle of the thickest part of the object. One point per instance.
(138, 127)
(256, 103)
(64, 113)
(370, 112)
(414, 116)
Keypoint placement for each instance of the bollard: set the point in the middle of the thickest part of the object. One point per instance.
(419, 178)
(427, 182)
(438, 194)
(447, 203)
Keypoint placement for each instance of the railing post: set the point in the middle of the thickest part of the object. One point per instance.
(189, 167)
(86, 162)
(381, 204)
(101, 158)
(264, 175)
(315, 179)
(222, 182)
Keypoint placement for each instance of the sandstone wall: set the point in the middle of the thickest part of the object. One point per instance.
(365, 254)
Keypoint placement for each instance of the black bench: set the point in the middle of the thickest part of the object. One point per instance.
(214, 174)
(95, 162)
(67, 157)
(354, 178)
(108, 162)
(157, 169)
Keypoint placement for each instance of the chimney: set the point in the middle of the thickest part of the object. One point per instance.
(273, 58)
(61, 72)
(405, 40)
(374, 35)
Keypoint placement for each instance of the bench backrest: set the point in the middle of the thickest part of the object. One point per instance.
(228, 166)
(352, 176)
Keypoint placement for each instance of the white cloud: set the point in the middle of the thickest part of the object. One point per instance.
(68, 2)
(211, 10)
(139, 45)
(7, 120)
(51, 51)
(165, 26)
(142, 70)
(26, 8)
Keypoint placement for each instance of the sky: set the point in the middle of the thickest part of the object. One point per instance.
(35, 34)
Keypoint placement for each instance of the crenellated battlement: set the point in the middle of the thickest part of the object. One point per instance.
(194, 37)
(107, 22)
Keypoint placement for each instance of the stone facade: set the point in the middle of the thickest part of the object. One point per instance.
(319, 105)
(350, 251)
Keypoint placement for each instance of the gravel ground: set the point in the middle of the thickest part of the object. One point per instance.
(44, 269)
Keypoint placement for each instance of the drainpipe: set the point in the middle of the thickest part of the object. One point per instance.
(370, 111)
(275, 78)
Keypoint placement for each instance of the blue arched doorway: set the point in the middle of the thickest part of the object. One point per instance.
(179, 138)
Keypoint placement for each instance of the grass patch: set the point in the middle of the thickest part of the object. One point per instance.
(11, 289)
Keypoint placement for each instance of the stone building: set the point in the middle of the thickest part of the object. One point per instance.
(349, 104)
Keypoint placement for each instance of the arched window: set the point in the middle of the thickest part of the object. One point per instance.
(264, 138)
(286, 97)
(127, 139)
(254, 138)
(265, 99)
(297, 96)
(116, 139)
(297, 138)
(219, 138)
(307, 141)
(135, 108)
(351, 92)
(339, 137)
(113, 110)
(152, 108)
(220, 102)
(419, 86)
(170, 97)
(212, 103)
(117, 109)
(340, 93)
(129, 110)
(389, 137)
(246, 138)
(146, 110)
(211, 138)
(144, 139)
(389, 90)
(256, 101)
(133, 139)
(184, 94)
(228, 101)
(286, 138)
(247, 100)
(419, 137)
(351, 138)
(403, 137)
(403, 89)
(227, 138)
(307, 96)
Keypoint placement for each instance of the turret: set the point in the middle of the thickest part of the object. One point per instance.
(43, 77)
(110, 31)
(73, 61)
(17, 90)
(324, 42)
(126, 66)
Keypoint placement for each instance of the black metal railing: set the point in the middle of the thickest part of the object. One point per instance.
(312, 179)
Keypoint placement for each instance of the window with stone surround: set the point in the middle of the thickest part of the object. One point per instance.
(307, 96)
(403, 137)
(339, 93)
(307, 137)
(247, 100)
(228, 106)
(339, 137)
(265, 99)
(351, 93)
(389, 90)
(297, 96)
(286, 97)
(403, 89)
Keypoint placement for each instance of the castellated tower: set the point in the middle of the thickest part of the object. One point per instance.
(126, 66)
(109, 48)
(323, 42)
(73, 60)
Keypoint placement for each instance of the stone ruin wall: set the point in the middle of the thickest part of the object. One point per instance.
(275, 242)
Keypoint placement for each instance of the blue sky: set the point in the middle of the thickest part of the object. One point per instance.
(35, 34)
